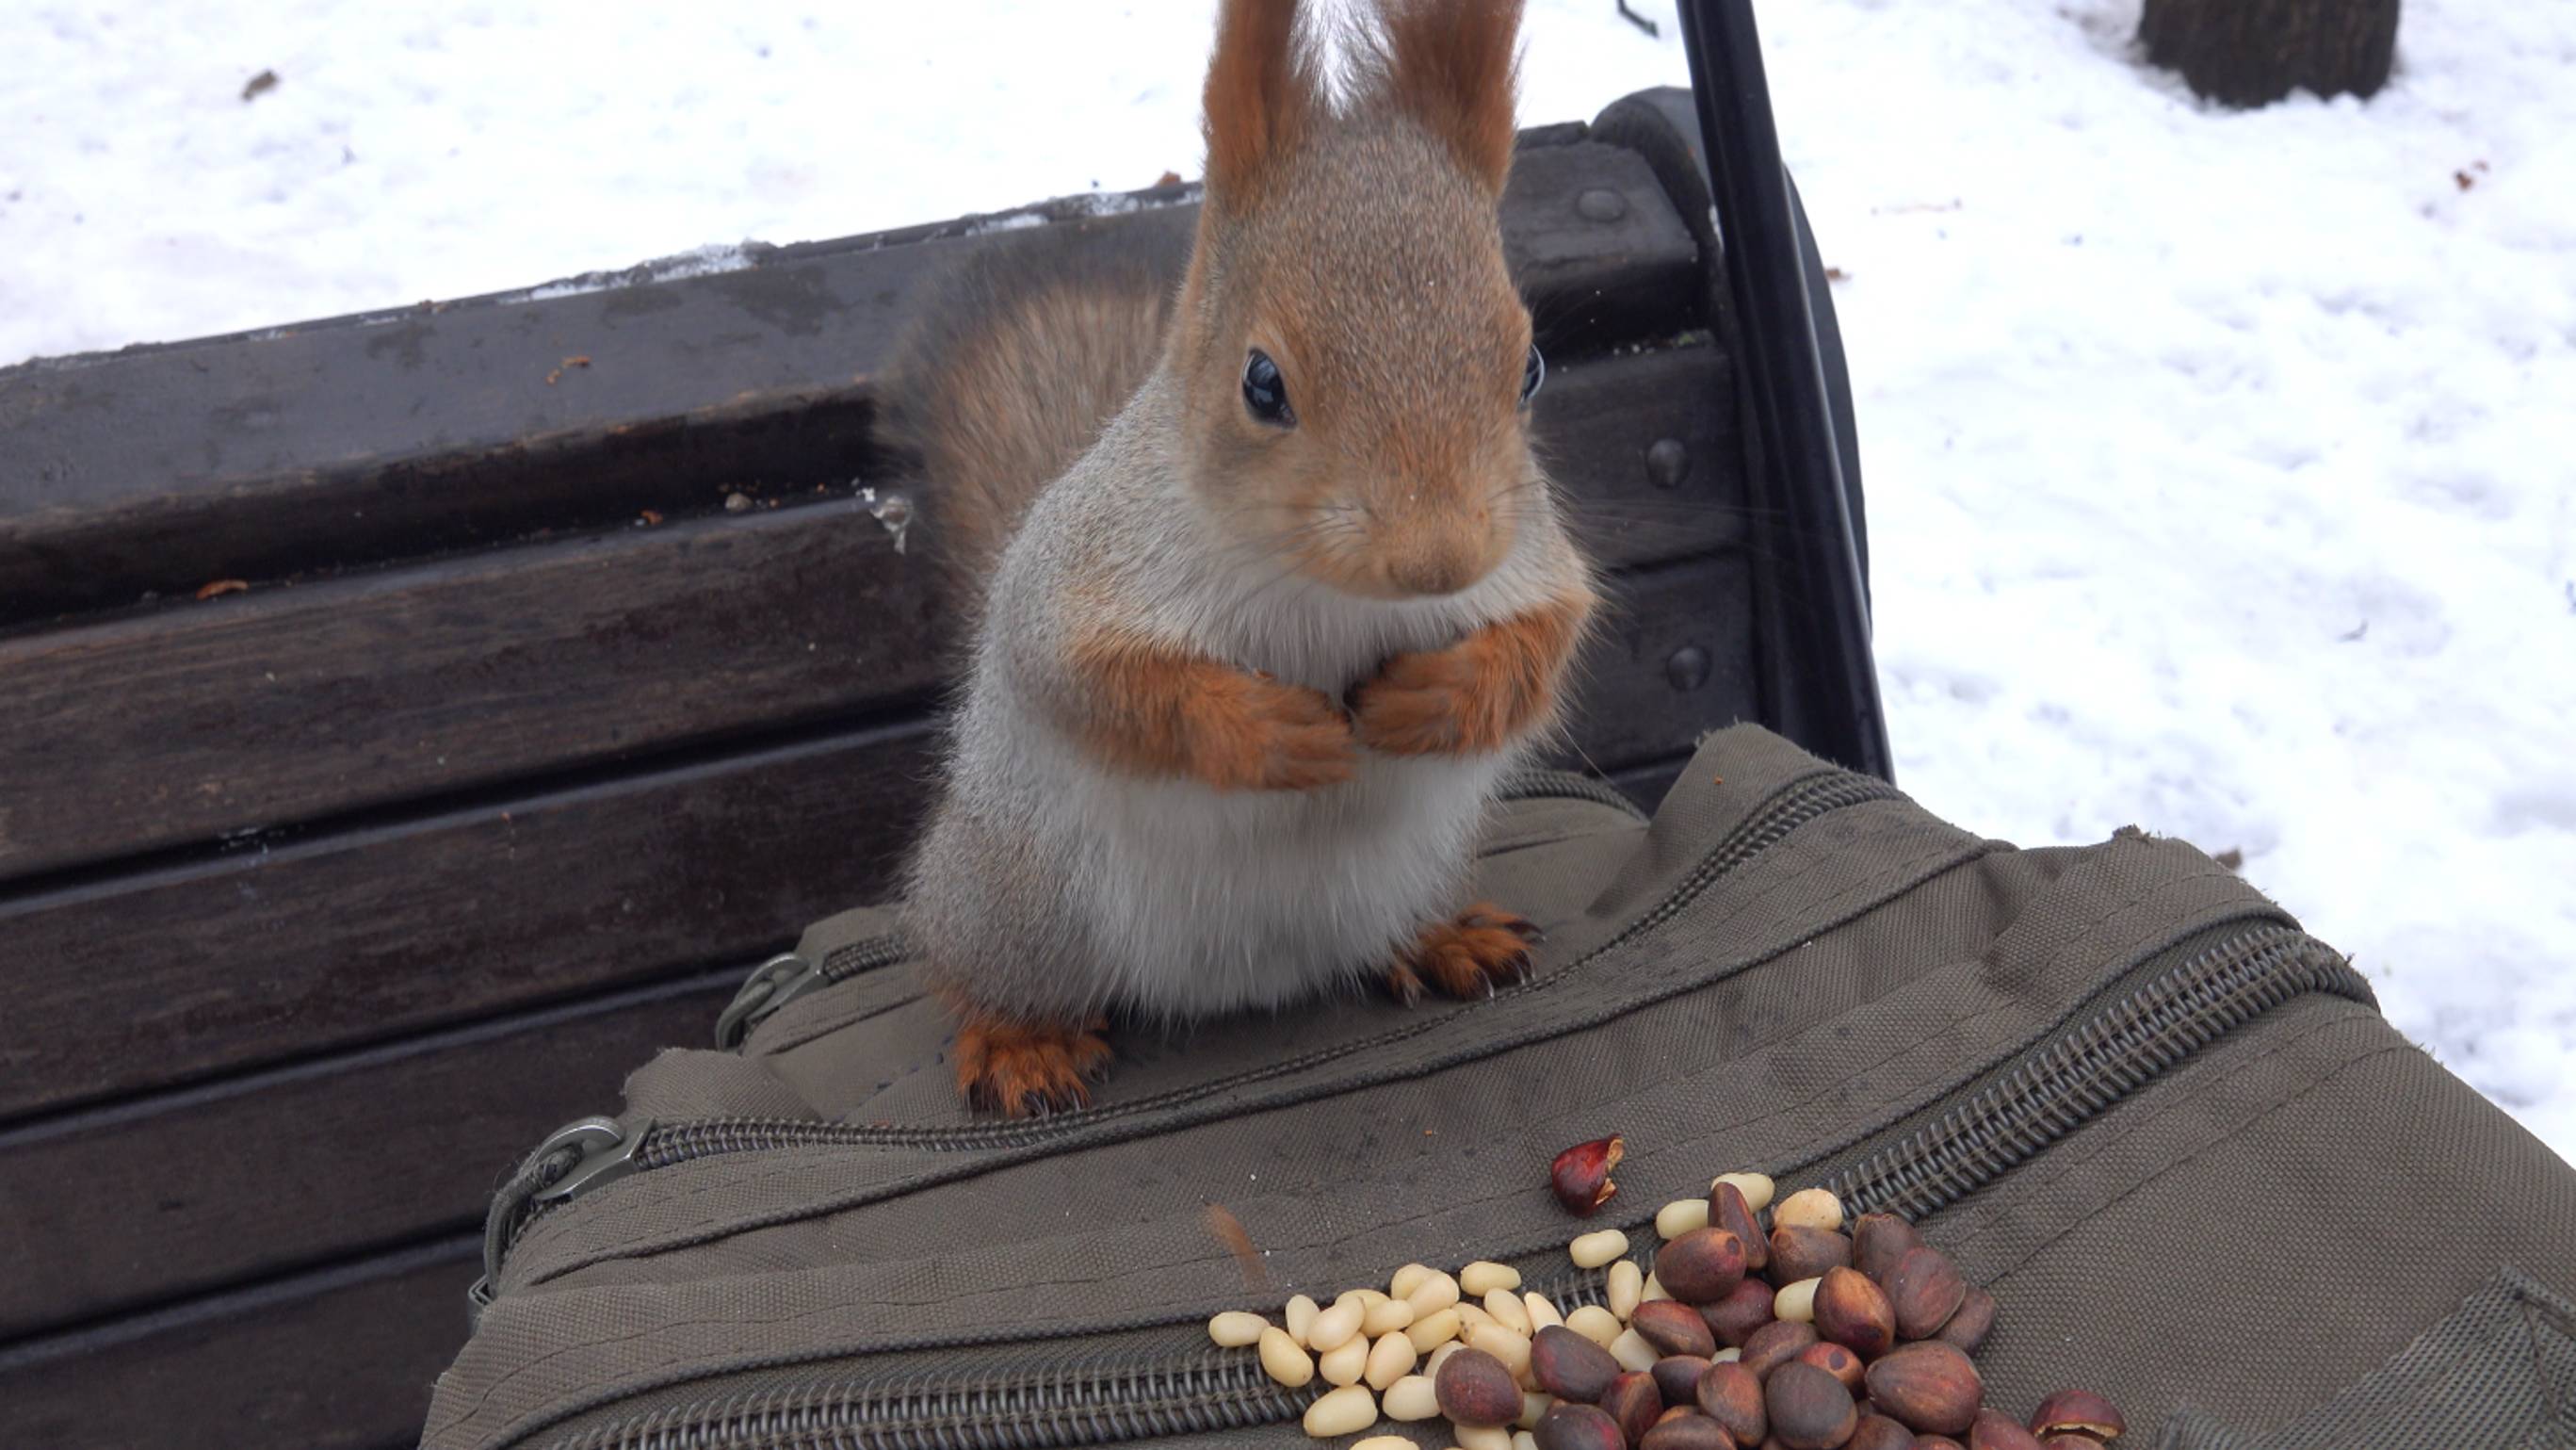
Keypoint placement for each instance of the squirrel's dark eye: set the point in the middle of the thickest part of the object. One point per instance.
(1265, 392)
(1533, 373)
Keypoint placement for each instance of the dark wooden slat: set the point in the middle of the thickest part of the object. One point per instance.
(364, 439)
(299, 702)
(291, 703)
(342, 1359)
(266, 1174)
(361, 936)
(1643, 697)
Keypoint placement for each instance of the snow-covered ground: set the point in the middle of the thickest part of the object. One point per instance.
(2222, 466)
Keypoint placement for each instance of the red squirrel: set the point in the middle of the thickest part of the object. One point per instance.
(1268, 591)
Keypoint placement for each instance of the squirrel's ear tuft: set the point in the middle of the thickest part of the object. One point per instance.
(1454, 65)
(1263, 89)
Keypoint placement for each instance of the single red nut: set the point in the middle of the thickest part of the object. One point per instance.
(1568, 1366)
(1635, 1400)
(1702, 1266)
(1775, 1344)
(1994, 1430)
(1878, 1241)
(1808, 1408)
(1581, 1174)
(1926, 1290)
(1877, 1432)
(1853, 1312)
(1731, 1395)
(1577, 1427)
(2078, 1412)
(1673, 1327)
(1746, 1307)
(1804, 1253)
(1835, 1360)
(1937, 1442)
(1967, 1328)
(1730, 1210)
(1930, 1387)
(1474, 1388)
(1677, 1377)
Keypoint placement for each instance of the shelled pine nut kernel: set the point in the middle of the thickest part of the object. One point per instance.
(1383, 1352)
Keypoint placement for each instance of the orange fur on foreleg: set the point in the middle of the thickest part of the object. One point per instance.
(1478, 695)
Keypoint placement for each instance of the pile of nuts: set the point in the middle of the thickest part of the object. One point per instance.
(1794, 1336)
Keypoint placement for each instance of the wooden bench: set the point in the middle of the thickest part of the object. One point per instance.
(580, 664)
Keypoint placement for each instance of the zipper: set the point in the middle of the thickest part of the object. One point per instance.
(595, 1151)
(1542, 783)
(2174, 1005)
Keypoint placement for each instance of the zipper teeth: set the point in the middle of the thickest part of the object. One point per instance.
(862, 956)
(1200, 1395)
(2084, 1073)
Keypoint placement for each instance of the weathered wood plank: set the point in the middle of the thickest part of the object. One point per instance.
(356, 936)
(445, 426)
(268, 1173)
(196, 721)
(341, 1359)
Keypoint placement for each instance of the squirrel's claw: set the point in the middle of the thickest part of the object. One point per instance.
(1472, 954)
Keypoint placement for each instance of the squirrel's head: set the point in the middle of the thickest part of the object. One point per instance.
(1356, 361)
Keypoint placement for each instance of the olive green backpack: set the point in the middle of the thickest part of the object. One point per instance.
(2167, 1129)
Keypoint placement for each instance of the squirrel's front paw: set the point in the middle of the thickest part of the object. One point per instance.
(1285, 737)
(1432, 704)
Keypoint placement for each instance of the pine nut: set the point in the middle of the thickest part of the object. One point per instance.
(1627, 1288)
(1471, 1315)
(1654, 1290)
(1411, 1398)
(1407, 1279)
(1524, 1440)
(1485, 1276)
(1681, 1216)
(1504, 1345)
(1345, 1411)
(1385, 1442)
(1633, 1352)
(1541, 1311)
(1334, 1327)
(1283, 1361)
(1433, 1330)
(1757, 1188)
(1809, 1208)
(1431, 1366)
(1533, 1405)
(1433, 1294)
(1389, 1360)
(1345, 1362)
(1385, 1316)
(1797, 1301)
(1594, 1323)
(1234, 1328)
(1727, 1356)
(1301, 1318)
(1483, 1437)
(1593, 1250)
(1508, 1311)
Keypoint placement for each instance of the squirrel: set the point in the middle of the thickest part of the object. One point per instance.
(1266, 588)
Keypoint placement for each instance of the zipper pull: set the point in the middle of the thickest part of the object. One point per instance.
(606, 1154)
(771, 985)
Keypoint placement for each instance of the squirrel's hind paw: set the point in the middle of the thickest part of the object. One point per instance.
(1025, 1070)
(1465, 956)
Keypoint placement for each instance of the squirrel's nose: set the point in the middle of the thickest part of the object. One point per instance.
(1433, 561)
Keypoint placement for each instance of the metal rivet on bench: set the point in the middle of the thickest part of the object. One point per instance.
(1601, 205)
(1688, 668)
(1667, 462)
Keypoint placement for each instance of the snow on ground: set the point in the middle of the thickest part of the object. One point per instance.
(2220, 464)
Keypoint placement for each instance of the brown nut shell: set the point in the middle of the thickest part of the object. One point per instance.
(1581, 1174)
(1967, 1328)
(1808, 1408)
(1577, 1427)
(1730, 1210)
(1877, 1432)
(1995, 1430)
(1702, 1266)
(1686, 1432)
(2078, 1412)
(1747, 1307)
(1635, 1400)
(1853, 1312)
(1775, 1344)
(1677, 1377)
(1474, 1388)
(1674, 1327)
(1937, 1442)
(1834, 1360)
(1929, 1387)
(1731, 1395)
(1805, 1253)
(1926, 1290)
(1878, 1241)
(1569, 1366)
